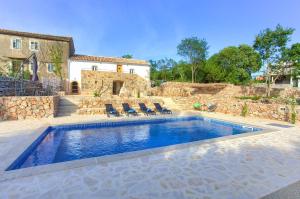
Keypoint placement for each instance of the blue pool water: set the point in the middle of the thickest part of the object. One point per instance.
(72, 142)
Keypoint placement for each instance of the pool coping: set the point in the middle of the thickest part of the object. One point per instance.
(56, 167)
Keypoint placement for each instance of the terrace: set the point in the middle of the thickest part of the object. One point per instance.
(244, 167)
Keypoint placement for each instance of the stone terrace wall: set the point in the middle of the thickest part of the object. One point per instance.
(92, 80)
(234, 107)
(180, 89)
(8, 86)
(96, 105)
(28, 107)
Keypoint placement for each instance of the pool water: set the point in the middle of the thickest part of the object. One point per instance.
(72, 142)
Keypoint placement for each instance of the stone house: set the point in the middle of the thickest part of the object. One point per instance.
(108, 75)
(81, 74)
(16, 46)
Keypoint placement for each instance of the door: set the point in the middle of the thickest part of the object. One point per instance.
(119, 68)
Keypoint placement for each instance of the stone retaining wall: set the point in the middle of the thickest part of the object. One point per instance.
(28, 107)
(234, 107)
(91, 106)
(180, 89)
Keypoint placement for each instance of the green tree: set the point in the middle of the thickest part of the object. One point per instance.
(56, 56)
(127, 56)
(195, 51)
(233, 65)
(164, 66)
(271, 45)
(181, 71)
(292, 56)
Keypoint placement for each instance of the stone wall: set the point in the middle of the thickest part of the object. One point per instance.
(180, 89)
(234, 106)
(96, 105)
(94, 80)
(28, 107)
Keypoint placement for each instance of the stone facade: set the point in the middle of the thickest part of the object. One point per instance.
(92, 106)
(29, 107)
(133, 85)
(45, 42)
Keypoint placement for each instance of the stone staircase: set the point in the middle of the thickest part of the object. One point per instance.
(68, 105)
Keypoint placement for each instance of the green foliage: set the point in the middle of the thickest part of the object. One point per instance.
(195, 51)
(292, 55)
(254, 98)
(162, 69)
(127, 56)
(56, 56)
(26, 75)
(292, 102)
(96, 94)
(245, 110)
(271, 45)
(232, 65)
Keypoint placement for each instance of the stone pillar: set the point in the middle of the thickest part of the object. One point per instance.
(291, 81)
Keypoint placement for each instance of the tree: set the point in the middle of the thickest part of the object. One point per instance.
(164, 66)
(292, 56)
(233, 64)
(181, 71)
(195, 51)
(271, 45)
(56, 55)
(127, 56)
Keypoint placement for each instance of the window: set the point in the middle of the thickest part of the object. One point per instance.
(50, 67)
(94, 68)
(33, 45)
(131, 71)
(16, 43)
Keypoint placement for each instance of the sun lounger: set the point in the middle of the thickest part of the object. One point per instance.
(128, 110)
(145, 110)
(161, 109)
(110, 110)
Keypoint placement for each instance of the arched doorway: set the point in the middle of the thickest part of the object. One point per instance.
(74, 87)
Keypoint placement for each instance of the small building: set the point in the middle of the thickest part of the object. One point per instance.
(92, 75)
(286, 79)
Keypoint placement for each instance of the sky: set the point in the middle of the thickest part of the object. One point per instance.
(149, 29)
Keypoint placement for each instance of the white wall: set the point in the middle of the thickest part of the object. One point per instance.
(75, 68)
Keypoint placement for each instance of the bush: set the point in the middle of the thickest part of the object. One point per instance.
(244, 110)
(254, 98)
(26, 74)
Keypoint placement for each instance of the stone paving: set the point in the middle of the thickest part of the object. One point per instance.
(241, 168)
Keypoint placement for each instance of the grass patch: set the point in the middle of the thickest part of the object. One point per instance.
(254, 98)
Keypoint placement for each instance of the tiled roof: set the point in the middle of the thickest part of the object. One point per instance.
(109, 59)
(35, 35)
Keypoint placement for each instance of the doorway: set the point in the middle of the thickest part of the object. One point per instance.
(119, 68)
(74, 87)
(117, 85)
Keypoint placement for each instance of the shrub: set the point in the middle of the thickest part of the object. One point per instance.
(254, 98)
(244, 110)
(292, 101)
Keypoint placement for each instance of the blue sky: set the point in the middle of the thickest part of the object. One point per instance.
(149, 29)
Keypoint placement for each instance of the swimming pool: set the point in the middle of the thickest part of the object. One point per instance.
(73, 142)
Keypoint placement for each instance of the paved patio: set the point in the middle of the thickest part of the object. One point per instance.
(245, 167)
